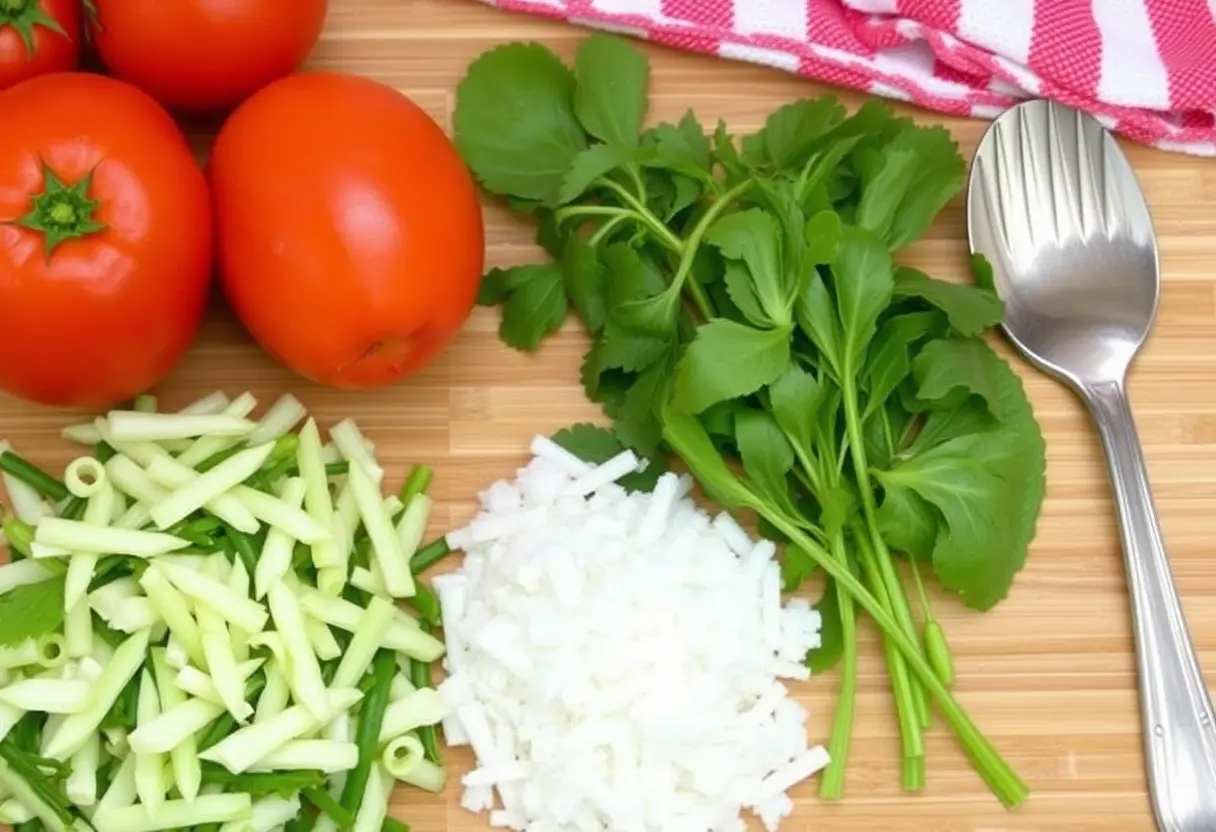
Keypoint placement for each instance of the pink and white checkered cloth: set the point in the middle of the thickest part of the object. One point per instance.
(1146, 68)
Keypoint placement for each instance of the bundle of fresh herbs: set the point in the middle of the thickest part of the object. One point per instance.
(746, 315)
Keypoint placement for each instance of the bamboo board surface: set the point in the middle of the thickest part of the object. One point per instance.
(1049, 675)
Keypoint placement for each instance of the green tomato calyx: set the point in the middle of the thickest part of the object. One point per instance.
(61, 212)
(24, 15)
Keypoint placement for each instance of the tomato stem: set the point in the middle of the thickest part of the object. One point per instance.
(61, 212)
(24, 15)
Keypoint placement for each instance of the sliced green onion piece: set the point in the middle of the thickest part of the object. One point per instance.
(422, 707)
(84, 477)
(282, 416)
(19, 655)
(82, 434)
(175, 814)
(20, 572)
(275, 560)
(403, 635)
(121, 669)
(401, 755)
(429, 555)
(243, 749)
(354, 449)
(369, 634)
(183, 755)
(208, 445)
(317, 500)
(144, 404)
(204, 488)
(304, 673)
(243, 612)
(47, 695)
(33, 476)
(121, 792)
(278, 513)
(312, 755)
(222, 662)
(386, 543)
(275, 694)
(173, 609)
(150, 784)
(133, 426)
(81, 785)
(78, 536)
(425, 775)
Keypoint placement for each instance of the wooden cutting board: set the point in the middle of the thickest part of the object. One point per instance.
(1049, 674)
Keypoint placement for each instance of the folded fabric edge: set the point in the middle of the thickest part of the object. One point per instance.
(859, 73)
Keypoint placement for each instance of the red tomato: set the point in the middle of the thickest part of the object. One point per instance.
(350, 234)
(105, 241)
(37, 37)
(202, 55)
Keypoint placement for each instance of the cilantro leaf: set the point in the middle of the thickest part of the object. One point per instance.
(586, 283)
(817, 318)
(726, 154)
(795, 398)
(908, 182)
(589, 166)
(864, 283)
(682, 147)
(970, 309)
(767, 455)
(831, 633)
(511, 155)
(640, 327)
(686, 435)
(949, 370)
(637, 422)
(727, 360)
(610, 99)
(596, 445)
(741, 291)
(535, 308)
(753, 237)
(908, 523)
(822, 238)
(791, 132)
(886, 367)
(497, 284)
(31, 611)
(796, 567)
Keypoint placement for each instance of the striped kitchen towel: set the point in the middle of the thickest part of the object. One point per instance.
(1146, 68)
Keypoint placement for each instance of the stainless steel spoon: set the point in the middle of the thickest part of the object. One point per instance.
(1055, 207)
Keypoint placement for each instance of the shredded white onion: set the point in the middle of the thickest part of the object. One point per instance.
(614, 658)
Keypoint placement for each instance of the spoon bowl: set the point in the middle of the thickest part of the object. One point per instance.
(1054, 206)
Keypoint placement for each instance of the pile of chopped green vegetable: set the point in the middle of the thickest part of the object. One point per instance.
(747, 316)
(198, 628)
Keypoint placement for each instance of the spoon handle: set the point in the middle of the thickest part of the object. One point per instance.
(1179, 732)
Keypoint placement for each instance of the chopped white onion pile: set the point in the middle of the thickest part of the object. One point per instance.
(615, 658)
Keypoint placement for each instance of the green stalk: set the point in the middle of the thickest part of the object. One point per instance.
(429, 555)
(416, 483)
(886, 566)
(831, 785)
(902, 687)
(1000, 777)
(693, 243)
(33, 476)
(645, 216)
(367, 732)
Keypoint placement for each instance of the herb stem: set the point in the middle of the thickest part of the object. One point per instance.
(920, 590)
(644, 215)
(831, 786)
(604, 230)
(33, 476)
(898, 601)
(1004, 782)
(693, 244)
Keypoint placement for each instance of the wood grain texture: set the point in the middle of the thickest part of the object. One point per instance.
(1049, 674)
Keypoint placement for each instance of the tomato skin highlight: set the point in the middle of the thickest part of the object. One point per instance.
(53, 51)
(205, 55)
(106, 315)
(350, 235)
